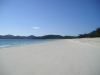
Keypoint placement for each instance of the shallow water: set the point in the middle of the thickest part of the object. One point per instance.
(16, 42)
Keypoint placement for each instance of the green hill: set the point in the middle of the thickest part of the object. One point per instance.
(95, 33)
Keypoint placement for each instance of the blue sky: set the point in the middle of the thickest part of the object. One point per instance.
(42, 17)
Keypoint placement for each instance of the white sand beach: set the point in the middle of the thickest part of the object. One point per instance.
(60, 57)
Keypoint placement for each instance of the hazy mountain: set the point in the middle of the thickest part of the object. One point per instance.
(16, 37)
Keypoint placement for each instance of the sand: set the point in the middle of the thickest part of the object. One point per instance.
(60, 57)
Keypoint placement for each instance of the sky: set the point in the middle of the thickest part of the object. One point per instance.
(43, 17)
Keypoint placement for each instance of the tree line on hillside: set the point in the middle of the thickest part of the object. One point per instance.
(95, 33)
(54, 37)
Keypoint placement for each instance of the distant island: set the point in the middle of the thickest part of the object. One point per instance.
(35, 37)
(16, 37)
(95, 33)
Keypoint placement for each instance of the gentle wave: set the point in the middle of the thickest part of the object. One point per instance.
(17, 42)
(4, 46)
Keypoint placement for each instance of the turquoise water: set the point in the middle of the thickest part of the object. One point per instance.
(16, 42)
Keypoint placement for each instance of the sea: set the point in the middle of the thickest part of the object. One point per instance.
(17, 42)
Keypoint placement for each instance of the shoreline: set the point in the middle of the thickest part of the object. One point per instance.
(23, 44)
(61, 57)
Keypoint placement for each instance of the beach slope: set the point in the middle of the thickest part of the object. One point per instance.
(60, 57)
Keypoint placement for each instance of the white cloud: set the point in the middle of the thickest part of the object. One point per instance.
(36, 27)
